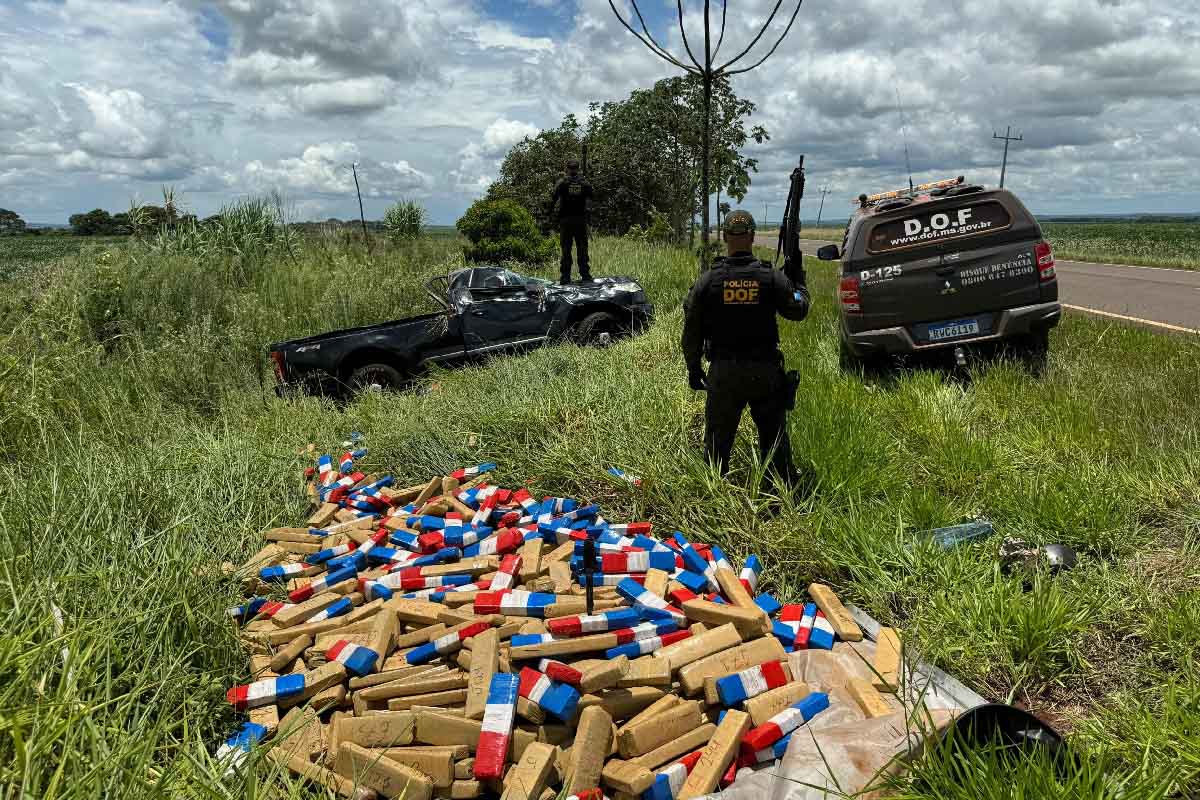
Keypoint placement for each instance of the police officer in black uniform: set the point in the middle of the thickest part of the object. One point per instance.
(571, 195)
(730, 317)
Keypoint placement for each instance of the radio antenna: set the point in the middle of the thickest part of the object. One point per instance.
(904, 136)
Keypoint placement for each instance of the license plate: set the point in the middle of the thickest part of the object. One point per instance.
(953, 330)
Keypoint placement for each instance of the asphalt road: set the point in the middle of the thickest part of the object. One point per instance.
(1163, 299)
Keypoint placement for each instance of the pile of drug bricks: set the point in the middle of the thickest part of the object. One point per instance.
(436, 641)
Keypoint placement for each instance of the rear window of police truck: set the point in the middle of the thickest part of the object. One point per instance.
(927, 226)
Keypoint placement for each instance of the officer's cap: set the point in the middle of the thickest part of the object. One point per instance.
(739, 223)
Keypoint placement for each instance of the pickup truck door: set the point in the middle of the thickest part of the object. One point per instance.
(501, 318)
(496, 317)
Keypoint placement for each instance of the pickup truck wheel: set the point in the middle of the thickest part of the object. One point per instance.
(368, 376)
(599, 328)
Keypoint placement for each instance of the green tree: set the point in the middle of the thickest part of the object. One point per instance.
(96, 222)
(503, 230)
(10, 223)
(645, 156)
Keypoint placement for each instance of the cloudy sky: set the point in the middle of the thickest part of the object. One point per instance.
(102, 101)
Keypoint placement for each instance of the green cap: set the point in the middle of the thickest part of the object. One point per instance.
(739, 223)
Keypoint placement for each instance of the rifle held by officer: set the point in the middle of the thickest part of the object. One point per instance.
(789, 230)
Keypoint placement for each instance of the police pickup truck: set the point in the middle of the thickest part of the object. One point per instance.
(944, 267)
(485, 311)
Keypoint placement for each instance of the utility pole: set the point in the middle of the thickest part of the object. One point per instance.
(765, 217)
(1007, 137)
(361, 216)
(821, 208)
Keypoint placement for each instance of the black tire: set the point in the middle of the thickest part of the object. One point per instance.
(385, 376)
(599, 329)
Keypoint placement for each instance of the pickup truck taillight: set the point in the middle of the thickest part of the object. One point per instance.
(1045, 260)
(849, 295)
(280, 369)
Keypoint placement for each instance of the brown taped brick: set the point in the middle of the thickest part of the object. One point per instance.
(647, 671)
(374, 770)
(887, 660)
(640, 739)
(622, 703)
(726, 662)
(446, 698)
(695, 648)
(720, 751)
(290, 652)
(771, 702)
(842, 622)
(605, 675)
(592, 739)
(750, 623)
(868, 698)
(527, 779)
(485, 661)
(437, 765)
(626, 776)
(672, 750)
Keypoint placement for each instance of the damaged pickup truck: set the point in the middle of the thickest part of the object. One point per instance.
(486, 311)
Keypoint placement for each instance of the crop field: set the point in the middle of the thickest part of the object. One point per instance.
(18, 253)
(1151, 244)
(141, 445)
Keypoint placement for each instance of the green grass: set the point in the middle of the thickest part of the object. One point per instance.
(142, 446)
(1151, 244)
(18, 253)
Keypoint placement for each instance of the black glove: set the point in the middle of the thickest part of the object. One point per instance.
(697, 379)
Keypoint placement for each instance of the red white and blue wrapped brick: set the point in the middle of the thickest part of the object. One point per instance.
(645, 630)
(717, 556)
(467, 496)
(443, 556)
(282, 572)
(647, 602)
(559, 699)
(751, 682)
(527, 639)
(247, 610)
(669, 780)
(769, 605)
(407, 540)
(502, 542)
(625, 476)
(322, 583)
(600, 579)
(697, 563)
(266, 692)
(506, 575)
(471, 472)
(498, 714)
(329, 553)
(775, 751)
(580, 624)
(444, 645)
(391, 555)
(783, 723)
(325, 473)
(355, 560)
(340, 488)
(374, 590)
(343, 606)
(525, 500)
(357, 659)
(822, 634)
(346, 462)
(558, 671)
(694, 581)
(368, 499)
(637, 562)
(515, 603)
(750, 572)
(681, 596)
(235, 749)
(589, 794)
(556, 534)
(791, 621)
(439, 595)
(646, 646)
(487, 503)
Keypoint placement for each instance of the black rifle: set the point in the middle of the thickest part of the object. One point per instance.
(789, 230)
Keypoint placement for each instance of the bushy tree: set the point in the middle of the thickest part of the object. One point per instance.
(503, 230)
(404, 220)
(645, 154)
(10, 223)
(96, 222)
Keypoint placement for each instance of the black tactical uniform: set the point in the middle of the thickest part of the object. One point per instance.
(571, 195)
(730, 317)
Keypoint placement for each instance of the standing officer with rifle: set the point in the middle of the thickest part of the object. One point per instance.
(730, 317)
(572, 194)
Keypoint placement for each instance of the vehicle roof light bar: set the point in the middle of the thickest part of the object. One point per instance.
(905, 192)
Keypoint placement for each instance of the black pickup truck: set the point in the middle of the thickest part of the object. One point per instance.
(486, 311)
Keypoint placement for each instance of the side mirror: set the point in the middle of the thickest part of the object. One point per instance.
(829, 252)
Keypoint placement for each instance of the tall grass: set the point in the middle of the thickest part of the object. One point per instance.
(139, 455)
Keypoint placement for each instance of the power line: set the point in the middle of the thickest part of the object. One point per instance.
(1007, 137)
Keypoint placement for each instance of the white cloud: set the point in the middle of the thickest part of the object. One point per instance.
(479, 161)
(325, 169)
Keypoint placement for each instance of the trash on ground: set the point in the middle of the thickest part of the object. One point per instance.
(440, 640)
